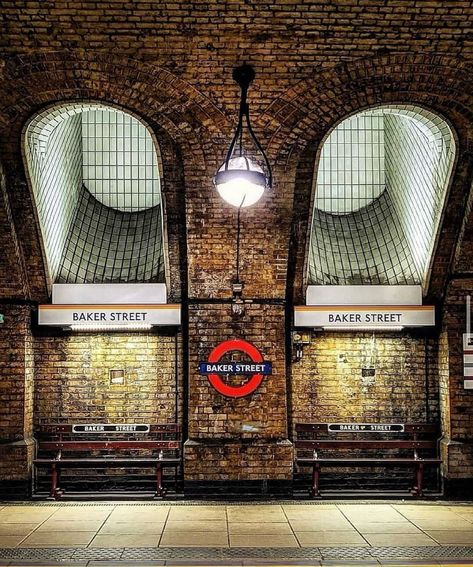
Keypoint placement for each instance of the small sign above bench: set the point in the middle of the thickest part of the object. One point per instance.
(366, 427)
(111, 428)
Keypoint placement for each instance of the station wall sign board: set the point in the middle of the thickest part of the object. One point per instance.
(255, 369)
(366, 427)
(468, 361)
(364, 295)
(109, 294)
(385, 316)
(99, 428)
(107, 315)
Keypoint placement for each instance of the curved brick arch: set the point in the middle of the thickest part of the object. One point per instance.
(147, 89)
(307, 110)
(186, 124)
(302, 117)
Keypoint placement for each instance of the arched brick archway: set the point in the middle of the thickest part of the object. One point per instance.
(301, 118)
(187, 125)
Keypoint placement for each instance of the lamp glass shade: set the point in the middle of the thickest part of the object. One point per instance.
(242, 183)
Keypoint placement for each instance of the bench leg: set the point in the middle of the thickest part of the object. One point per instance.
(315, 492)
(419, 480)
(55, 492)
(160, 491)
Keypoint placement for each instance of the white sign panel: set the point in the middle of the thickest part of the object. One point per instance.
(108, 315)
(373, 316)
(364, 295)
(109, 294)
(467, 343)
(468, 361)
(366, 427)
(110, 428)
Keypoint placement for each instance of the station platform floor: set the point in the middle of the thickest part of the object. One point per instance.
(218, 533)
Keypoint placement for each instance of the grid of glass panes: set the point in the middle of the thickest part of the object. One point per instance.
(55, 168)
(351, 166)
(96, 243)
(119, 160)
(417, 158)
(365, 247)
(417, 167)
(109, 246)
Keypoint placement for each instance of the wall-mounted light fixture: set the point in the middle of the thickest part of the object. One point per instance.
(242, 181)
(300, 339)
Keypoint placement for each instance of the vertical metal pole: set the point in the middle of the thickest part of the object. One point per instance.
(238, 246)
(468, 314)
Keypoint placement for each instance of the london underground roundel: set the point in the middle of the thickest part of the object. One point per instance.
(256, 368)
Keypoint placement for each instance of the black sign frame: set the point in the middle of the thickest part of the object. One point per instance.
(104, 428)
(366, 427)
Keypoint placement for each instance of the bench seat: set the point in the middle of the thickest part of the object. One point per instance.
(321, 445)
(109, 462)
(362, 461)
(58, 449)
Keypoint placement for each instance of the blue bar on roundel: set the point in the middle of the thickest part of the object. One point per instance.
(235, 367)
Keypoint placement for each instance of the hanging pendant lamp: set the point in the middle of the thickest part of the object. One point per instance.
(241, 181)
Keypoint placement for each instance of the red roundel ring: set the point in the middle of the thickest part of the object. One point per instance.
(235, 391)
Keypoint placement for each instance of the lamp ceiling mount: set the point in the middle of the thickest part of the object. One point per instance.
(244, 76)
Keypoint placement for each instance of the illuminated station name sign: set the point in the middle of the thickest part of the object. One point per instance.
(116, 315)
(254, 370)
(367, 318)
(361, 316)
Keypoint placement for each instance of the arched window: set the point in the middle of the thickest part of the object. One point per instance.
(96, 184)
(380, 189)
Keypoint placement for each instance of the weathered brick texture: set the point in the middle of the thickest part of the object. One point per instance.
(221, 446)
(72, 382)
(457, 409)
(171, 63)
(16, 393)
(328, 383)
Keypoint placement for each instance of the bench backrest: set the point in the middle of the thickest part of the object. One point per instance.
(62, 437)
(407, 436)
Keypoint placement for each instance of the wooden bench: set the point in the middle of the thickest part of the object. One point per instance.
(61, 446)
(367, 445)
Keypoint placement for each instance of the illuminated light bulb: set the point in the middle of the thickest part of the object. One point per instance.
(241, 183)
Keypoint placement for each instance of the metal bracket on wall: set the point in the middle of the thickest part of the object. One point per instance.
(299, 340)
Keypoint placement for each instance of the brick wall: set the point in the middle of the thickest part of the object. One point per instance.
(12, 282)
(222, 447)
(328, 382)
(72, 382)
(457, 409)
(171, 65)
(16, 398)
